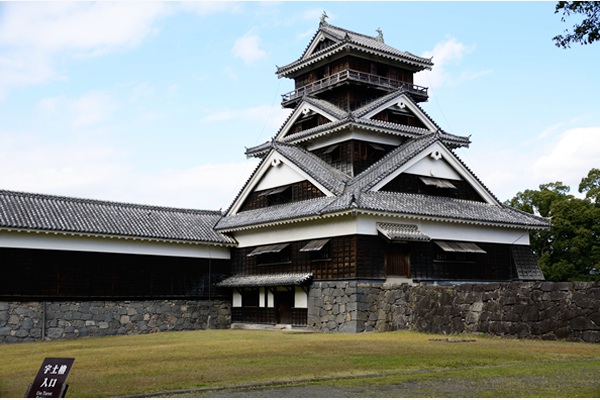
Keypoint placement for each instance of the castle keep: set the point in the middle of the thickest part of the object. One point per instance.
(359, 188)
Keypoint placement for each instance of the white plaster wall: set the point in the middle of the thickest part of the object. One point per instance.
(236, 299)
(261, 297)
(52, 241)
(367, 225)
(356, 134)
(293, 232)
(447, 231)
(300, 298)
(427, 166)
(279, 176)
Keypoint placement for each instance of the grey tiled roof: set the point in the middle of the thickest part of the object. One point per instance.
(278, 213)
(448, 208)
(266, 280)
(41, 212)
(410, 205)
(347, 120)
(367, 108)
(326, 106)
(347, 39)
(331, 178)
(401, 232)
(391, 162)
(366, 124)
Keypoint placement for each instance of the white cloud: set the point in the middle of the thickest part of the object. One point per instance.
(212, 186)
(92, 108)
(91, 168)
(247, 48)
(32, 35)
(96, 172)
(81, 26)
(445, 55)
(571, 157)
(566, 157)
(31, 164)
(271, 117)
(89, 109)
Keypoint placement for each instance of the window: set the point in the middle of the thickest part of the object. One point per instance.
(278, 195)
(250, 297)
(438, 183)
(318, 250)
(272, 254)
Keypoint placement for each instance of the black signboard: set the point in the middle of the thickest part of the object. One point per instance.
(50, 379)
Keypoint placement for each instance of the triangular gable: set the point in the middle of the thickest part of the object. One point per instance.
(304, 109)
(319, 37)
(274, 171)
(400, 101)
(437, 161)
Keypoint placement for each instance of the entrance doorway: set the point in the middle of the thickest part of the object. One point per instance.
(397, 260)
(284, 301)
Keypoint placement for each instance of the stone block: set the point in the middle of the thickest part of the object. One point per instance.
(582, 300)
(27, 323)
(583, 323)
(591, 336)
(55, 333)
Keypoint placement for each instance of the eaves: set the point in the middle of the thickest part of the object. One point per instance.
(231, 243)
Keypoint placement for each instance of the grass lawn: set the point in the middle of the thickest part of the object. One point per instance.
(125, 365)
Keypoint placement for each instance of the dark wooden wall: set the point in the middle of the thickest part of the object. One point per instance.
(345, 257)
(297, 192)
(430, 262)
(364, 257)
(410, 183)
(72, 274)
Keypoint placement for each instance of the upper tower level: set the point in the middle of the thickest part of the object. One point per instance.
(350, 69)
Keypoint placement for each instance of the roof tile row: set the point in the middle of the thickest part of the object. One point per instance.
(19, 210)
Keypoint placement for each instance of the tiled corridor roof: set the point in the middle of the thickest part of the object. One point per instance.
(40, 212)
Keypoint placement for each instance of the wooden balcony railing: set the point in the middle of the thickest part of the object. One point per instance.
(356, 76)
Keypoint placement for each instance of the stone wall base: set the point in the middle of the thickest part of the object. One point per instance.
(540, 310)
(35, 321)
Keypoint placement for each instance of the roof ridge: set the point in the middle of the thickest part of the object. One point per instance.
(418, 143)
(338, 179)
(377, 102)
(83, 200)
(327, 24)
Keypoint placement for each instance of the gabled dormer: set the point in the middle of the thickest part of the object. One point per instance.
(309, 114)
(397, 108)
(425, 167)
(288, 174)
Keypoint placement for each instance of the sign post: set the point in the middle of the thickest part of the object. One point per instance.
(50, 379)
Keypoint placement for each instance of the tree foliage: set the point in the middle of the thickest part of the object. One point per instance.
(585, 32)
(570, 250)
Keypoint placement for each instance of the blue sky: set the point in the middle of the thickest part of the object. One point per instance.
(154, 103)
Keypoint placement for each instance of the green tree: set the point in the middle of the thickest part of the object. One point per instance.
(590, 185)
(585, 32)
(570, 250)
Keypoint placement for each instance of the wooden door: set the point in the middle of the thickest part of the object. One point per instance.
(284, 302)
(397, 260)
